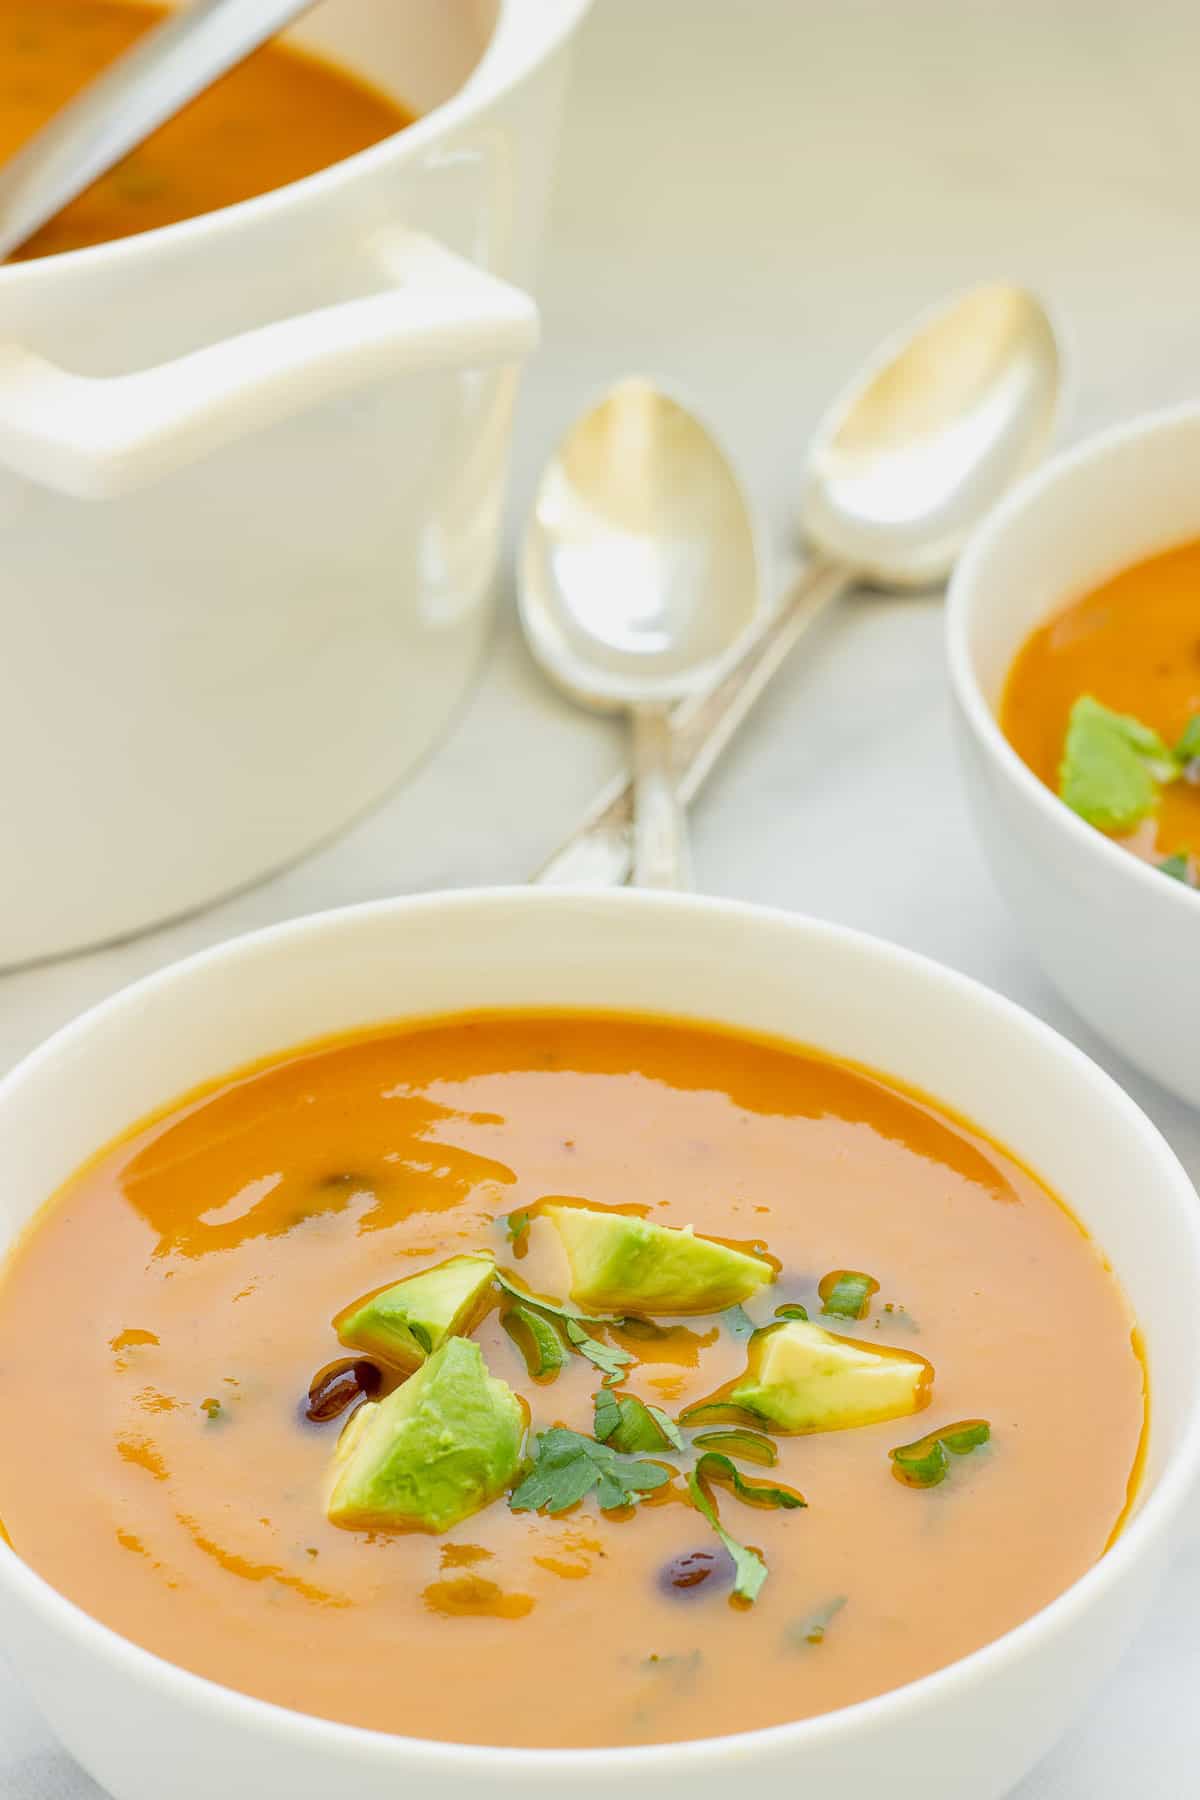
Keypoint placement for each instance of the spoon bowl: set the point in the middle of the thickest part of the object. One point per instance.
(940, 424)
(640, 568)
(929, 436)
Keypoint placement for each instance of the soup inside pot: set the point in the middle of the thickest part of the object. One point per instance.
(562, 1380)
(279, 116)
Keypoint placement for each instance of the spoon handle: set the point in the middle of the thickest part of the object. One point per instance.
(166, 67)
(600, 851)
(660, 847)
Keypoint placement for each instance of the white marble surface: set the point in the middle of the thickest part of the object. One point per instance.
(751, 194)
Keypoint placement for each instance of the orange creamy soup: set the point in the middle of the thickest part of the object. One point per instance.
(1132, 646)
(170, 1465)
(279, 116)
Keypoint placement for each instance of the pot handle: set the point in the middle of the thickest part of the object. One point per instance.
(98, 437)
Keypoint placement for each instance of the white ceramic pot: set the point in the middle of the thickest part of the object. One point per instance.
(1121, 940)
(251, 473)
(145, 1729)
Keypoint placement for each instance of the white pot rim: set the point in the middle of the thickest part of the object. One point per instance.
(544, 25)
(1151, 1526)
(1103, 859)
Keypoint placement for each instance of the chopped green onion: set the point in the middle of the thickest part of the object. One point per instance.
(612, 1363)
(846, 1293)
(626, 1423)
(516, 1225)
(792, 1310)
(926, 1463)
(719, 1412)
(714, 1467)
(752, 1446)
(537, 1339)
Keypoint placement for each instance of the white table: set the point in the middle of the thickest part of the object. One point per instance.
(753, 192)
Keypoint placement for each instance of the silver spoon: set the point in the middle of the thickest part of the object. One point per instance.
(639, 575)
(168, 66)
(907, 461)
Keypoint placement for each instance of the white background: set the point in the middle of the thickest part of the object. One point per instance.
(752, 192)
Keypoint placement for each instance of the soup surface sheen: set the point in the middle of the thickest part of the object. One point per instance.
(202, 1259)
(279, 116)
(1134, 644)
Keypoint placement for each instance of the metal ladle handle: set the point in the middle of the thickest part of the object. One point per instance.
(165, 68)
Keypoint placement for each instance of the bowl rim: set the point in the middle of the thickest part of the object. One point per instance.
(1107, 859)
(1177, 1483)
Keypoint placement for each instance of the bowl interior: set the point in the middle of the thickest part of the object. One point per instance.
(422, 51)
(758, 971)
(1120, 498)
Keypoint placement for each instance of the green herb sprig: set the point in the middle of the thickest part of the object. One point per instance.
(926, 1463)
(567, 1466)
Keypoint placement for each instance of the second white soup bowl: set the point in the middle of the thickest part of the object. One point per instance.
(145, 1729)
(1120, 939)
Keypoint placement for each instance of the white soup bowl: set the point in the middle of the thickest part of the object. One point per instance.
(145, 1729)
(1117, 937)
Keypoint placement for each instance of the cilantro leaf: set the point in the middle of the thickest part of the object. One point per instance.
(792, 1309)
(549, 1306)
(567, 1466)
(667, 1426)
(628, 1424)
(612, 1362)
(537, 1339)
(750, 1571)
(1112, 766)
(714, 1467)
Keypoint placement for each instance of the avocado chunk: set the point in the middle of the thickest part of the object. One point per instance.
(438, 1449)
(802, 1378)
(401, 1324)
(622, 1263)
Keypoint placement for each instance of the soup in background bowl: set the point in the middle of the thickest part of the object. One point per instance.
(582, 1078)
(278, 116)
(1043, 618)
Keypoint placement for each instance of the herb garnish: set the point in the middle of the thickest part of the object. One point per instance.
(549, 1306)
(792, 1309)
(846, 1293)
(812, 1630)
(751, 1445)
(629, 1425)
(612, 1362)
(714, 1467)
(536, 1337)
(214, 1411)
(567, 1466)
(517, 1225)
(927, 1462)
(1112, 766)
(750, 1571)
(1178, 867)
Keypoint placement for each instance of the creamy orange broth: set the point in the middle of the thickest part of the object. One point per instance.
(280, 116)
(203, 1257)
(1134, 644)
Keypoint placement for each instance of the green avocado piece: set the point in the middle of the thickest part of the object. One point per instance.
(803, 1378)
(401, 1324)
(622, 1263)
(438, 1449)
